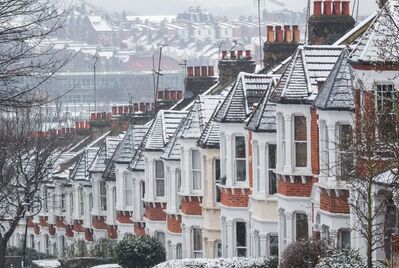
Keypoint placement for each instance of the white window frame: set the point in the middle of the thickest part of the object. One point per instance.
(270, 169)
(283, 142)
(159, 179)
(196, 172)
(81, 201)
(256, 153)
(71, 202)
(339, 152)
(128, 190)
(223, 154)
(241, 159)
(62, 202)
(324, 149)
(103, 195)
(197, 253)
(297, 142)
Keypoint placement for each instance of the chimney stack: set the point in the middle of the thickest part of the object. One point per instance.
(197, 71)
(239, 54)
(327, 7)
(337, 7)
(317, 8)
(232, 55)
(270, 34)
(296, 34)
(211, 71)
(248, 54)
(224, 54)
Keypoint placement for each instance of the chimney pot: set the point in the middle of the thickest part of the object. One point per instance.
(270, 34)
(204, 71)
(232, 55)
(288, 34)
(248, 54)
(224, 54)
(317, 8)
(211, 71)
(296, 34)
(197, 71)
(190, 71)
(93, 116)
(280, 34)
(337, 7)
(346, 8)
(328, 7)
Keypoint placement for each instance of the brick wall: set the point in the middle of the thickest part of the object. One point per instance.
(112, 232)
(314, 141)
(333, 203)
(59, 222)
(99, 223)
(191, 205)
(88, 234)
(139, 229)
(69, 231)
(123, 217)
(43, 221)
(297, 188)
(77, 227)
(174, 223)
(51, 229)
(235, 197)
(155, 211)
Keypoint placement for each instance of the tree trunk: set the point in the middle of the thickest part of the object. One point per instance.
(3, 248)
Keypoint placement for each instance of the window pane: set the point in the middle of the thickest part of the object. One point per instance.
(300, 154)
(300, 128)
(272, 182)
(197, 239)
(196, 161)
(301, 226)
(159, 169)
(345, 137)
(240, 147)
(178, 178)
(345, 239)
(160, 187)
(272, 156)
(196, 180)
(241, 170)
(241, 240)
(274, 245)
(217, 169)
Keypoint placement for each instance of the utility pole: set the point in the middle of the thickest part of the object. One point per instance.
(307, 23)
(158, 73)
(95, 89)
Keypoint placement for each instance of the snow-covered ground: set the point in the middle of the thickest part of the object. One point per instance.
(47, 263)
(107, 266)
(213, 263)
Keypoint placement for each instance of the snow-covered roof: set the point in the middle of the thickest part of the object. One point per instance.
(263, 118)
(308, 66)
(376, 43)
(248, 90)
(104, 154)
(387, 178)
(192, 125)
(80, 171)
(99, 24)
(131, 141)
(337, 92)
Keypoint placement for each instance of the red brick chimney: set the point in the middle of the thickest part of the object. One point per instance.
(317, 8)
(232, 55)
(190, 71)
(346, 8)
(248, 54)
(279, 34)
(270, 34)
(239, 54)
(337, 8)
(327, 8)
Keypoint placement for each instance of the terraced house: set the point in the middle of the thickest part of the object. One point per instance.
(243, 167)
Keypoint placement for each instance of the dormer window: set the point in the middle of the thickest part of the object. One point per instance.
(300, 141)
(240, 159)
(159, 178)
(196, 169)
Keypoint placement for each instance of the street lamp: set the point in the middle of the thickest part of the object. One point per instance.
(26, 204)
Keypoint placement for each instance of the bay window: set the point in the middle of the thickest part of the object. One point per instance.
(197, 243)
(241, 239)
(128, 187)
(344, 239)
(159, 178)
(273, 245)
(160, 236)
(103, 196)
(272, 148)
(240, 159)
(301, 226)
(300, 141)
(196, 169)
